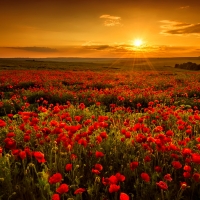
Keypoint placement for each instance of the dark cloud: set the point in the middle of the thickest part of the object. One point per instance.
(35, 49)
(97, 47)
(179, 28)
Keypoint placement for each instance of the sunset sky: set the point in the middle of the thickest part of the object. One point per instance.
(99, 28)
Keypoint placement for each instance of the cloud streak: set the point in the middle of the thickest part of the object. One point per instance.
(110, 20)
(184, 7)
(35, 49)
(179, 28)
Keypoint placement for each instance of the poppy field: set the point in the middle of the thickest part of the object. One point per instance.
(99, 135)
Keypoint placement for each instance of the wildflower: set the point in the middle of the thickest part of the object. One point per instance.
(99, 154)
(2, 123)
(196, 158)
(183, 185)
(196, 177)
(120, 177)
(95, 171)
(158, 129)
(187, 168)
(145, 177)
(39, 156)
(79, 191)
(167, 177)
(22, 155)
(169, 133)
(162, 185)
(10, 143)
(176, 164)
(98, 167)
(123, 196)
(113, 180)
(103, 135)
(147, 159)
(105, 181)
(186, 151)
(56, 178)
(186, 174)
(134, 165)
(113, 188)
(55, 197)
(158, 169)
(68, 167)
(63, 188)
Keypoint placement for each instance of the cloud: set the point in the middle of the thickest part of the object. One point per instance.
(110, 20)
(179, 28)
(184, 7)
(35, 49)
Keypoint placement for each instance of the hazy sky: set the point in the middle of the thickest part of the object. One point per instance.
(99, 28)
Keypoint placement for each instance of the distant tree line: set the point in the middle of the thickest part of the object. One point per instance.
(188, 66)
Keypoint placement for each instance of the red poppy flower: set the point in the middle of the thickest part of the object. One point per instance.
(147, 159)
(158, 169)
(176, 164)
(134, 165)
(187, 168)
(186, 174)
(95, 171)
(55, 197)
(186, 151)
(162, 185)
(68, 167)
(183, 185)
(2, 123)
(196, 177)
(98, 167)
(113, 188)
(79, 191)
(167, 177)
(39, 156)
(123, 196)
(145, 177)
(105, 181)
(120, 177)
(22, 155)
(63, 188)
(99, 154)
(196, 158)
(56, 178)
(113, 180)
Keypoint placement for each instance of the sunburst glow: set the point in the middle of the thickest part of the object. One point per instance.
(137, 42)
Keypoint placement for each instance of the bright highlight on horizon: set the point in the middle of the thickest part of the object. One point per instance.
(137, 42)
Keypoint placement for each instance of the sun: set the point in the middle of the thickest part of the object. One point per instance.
(137, 42)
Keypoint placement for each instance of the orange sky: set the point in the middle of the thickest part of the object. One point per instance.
(99, 28)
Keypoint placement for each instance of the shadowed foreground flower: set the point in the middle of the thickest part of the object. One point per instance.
(123, 196)
(79, 191)
(162, 185)
(63, 188)
(56, 178)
